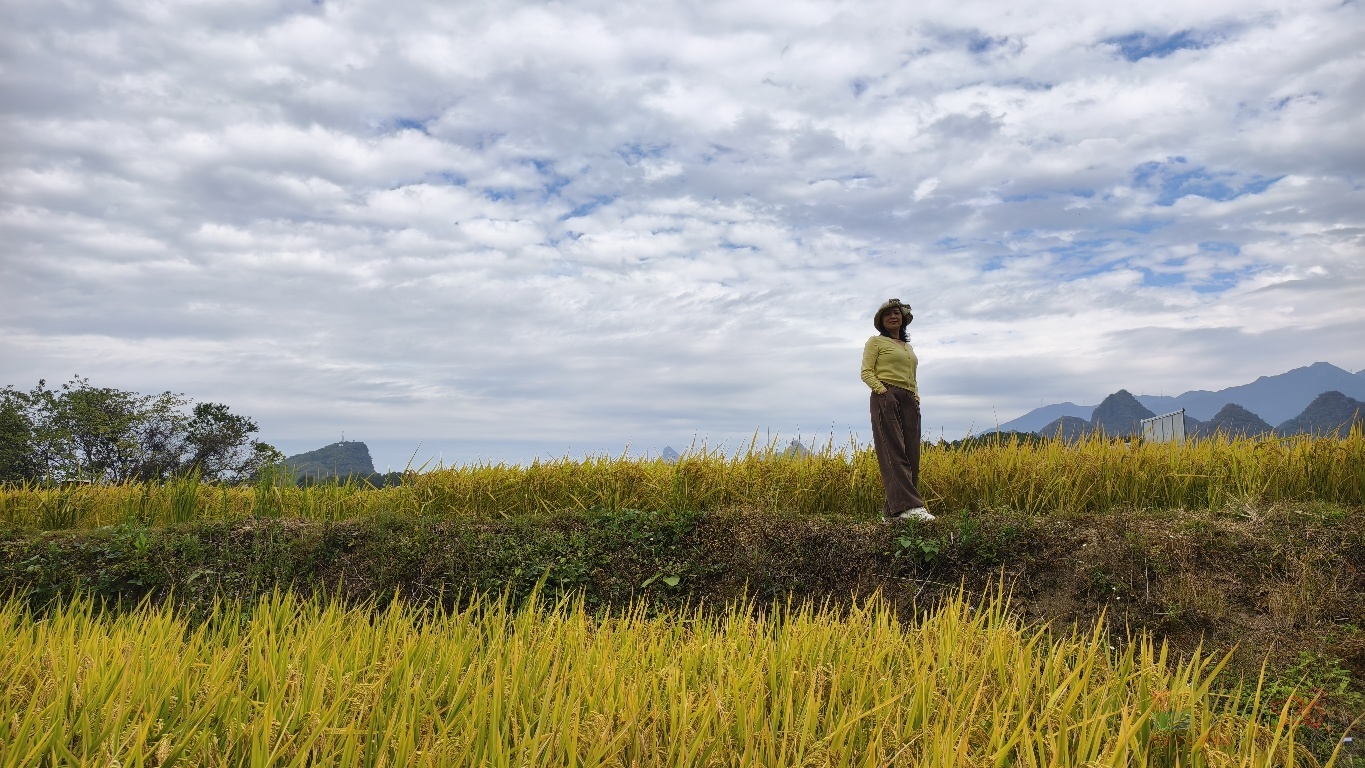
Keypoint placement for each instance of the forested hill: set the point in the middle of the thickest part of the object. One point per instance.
(347, 458)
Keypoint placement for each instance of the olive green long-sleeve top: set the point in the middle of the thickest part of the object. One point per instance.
(886, 362)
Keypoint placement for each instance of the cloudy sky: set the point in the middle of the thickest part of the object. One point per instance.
(509, 230)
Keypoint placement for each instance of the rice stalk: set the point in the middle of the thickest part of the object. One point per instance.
(293, 682)
(1094, 475)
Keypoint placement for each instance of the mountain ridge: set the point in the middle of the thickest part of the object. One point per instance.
(1274, 399)
(1234, 420)
(1330, 413)
(1120, 414)
(1068, 428)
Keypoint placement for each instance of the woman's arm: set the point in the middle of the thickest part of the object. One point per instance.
(870, 366)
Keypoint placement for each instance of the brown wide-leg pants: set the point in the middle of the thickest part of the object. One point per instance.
(895, 436)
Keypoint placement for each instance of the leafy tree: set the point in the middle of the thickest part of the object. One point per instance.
(18, 461)
(106, 434)
(218, 443)
(100, 433)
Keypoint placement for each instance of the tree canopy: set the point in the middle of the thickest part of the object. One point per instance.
(101, 434)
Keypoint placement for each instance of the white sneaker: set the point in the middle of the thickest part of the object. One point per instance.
(916, 513)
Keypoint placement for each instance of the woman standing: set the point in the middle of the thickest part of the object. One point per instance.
(889, 366)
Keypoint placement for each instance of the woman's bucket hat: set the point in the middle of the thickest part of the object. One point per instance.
(906, 315)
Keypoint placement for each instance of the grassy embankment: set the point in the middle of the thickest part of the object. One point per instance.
(1257, 545)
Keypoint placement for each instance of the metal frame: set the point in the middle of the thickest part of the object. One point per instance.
(1166, 428)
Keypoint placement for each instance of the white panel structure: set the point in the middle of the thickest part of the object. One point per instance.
(1166, 428)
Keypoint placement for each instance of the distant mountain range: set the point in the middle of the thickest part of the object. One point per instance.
(1273, 399)
(1330, 413)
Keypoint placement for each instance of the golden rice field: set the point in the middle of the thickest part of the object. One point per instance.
(1093, 476)
(289, 682)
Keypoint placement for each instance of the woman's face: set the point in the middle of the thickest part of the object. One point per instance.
(891, 320)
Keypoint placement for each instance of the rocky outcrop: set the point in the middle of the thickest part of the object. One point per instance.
(348, 458)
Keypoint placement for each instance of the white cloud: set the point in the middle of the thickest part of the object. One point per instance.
(536, 226)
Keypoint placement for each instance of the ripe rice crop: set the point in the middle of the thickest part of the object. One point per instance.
(289, 682)
(1092, 476)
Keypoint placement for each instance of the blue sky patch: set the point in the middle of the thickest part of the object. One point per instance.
(1177, 178)
(585, 208)
(729, 246)
(1027, 84)
(1217, 282)
(557, 180)
(973, 39)
(1153, 278)
(1147, 226)
(1091, 270)
(634, 152)
(1213, 246)
(409, 124)
(979, 43)
(1086, 257)
(1137, 46)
